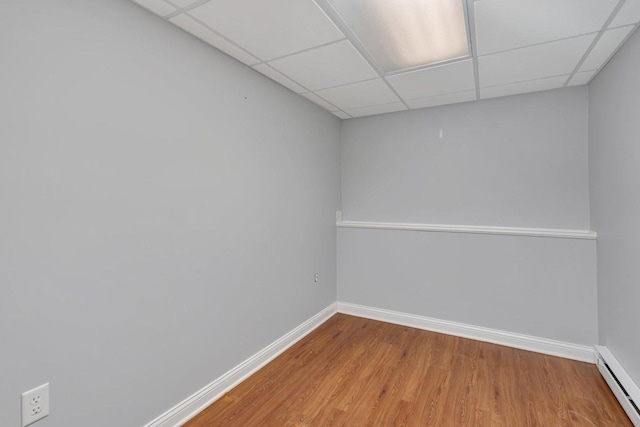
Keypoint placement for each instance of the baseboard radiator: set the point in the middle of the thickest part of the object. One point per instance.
(624, 388)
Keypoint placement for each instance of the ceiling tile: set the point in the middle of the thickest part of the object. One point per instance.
(159, 7)
(341, 115)
(582, 78)
(202, 32)
(452, 98)
(377, 109)
(278, 77)
(319, 101)
(628, 14)
(358, 95)
(438, 80)
(269, 29)
(533, 62)
(523, 87)
(183, 3)
(605, 47)
(327, 66)
(508, 24)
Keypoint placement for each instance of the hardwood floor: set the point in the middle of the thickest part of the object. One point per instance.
(358, 372)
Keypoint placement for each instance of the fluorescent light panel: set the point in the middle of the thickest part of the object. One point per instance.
(404, 34)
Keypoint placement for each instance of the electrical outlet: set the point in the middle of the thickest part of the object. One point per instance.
(35, 404)
(316, 278)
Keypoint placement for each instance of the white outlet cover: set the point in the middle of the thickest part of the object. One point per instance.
(35, 404)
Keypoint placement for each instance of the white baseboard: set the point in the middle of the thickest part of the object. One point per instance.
(620, 383)
(525, 342)
(194, 404)
(190, 407)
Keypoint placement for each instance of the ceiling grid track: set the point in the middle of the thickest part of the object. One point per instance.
(595, 41)
(338, 53)
(472, 44)
(186, 13)
(342, 26)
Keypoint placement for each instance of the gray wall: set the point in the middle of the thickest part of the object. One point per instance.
(162, 211)
(614, 144)
(529, 285)
(515, 161)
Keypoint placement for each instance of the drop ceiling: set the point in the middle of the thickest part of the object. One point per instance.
(308, 46)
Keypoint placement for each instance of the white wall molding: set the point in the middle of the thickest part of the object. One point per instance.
(471, 229)
(525, 342)
(622, 385)
(194, 404)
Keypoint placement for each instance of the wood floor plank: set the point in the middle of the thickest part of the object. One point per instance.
(353, 372)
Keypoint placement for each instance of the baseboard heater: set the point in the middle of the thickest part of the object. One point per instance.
(623, 387)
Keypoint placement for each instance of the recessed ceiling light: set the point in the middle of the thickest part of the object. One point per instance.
(403, 34)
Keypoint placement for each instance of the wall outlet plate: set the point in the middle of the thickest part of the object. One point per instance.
(35, 404)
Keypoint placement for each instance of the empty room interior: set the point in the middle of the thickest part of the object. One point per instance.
(319, 213)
